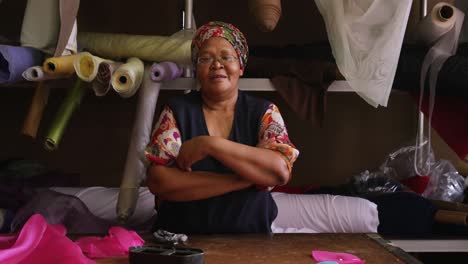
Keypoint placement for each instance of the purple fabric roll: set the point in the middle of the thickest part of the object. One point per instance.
(165, 71)
(102, 83)
(15, 60)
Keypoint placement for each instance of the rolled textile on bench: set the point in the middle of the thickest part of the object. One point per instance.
(174, 48)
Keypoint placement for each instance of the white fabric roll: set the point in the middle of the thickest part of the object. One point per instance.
(36, 73)
(127, 79)
(86, 65)
(102, 201)
(41, 25)
(299, 213)
(444, 34)
(366, 38)
(135, 169)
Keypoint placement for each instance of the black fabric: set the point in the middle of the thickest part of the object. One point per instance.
(404, 213)
(245, 211)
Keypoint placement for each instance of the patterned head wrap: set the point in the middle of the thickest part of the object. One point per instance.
(223, 30)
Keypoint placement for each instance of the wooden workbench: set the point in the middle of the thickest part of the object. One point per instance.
(289, 248)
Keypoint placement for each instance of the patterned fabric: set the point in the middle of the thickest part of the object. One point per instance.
(223, 30)
(273, 135)
(165, 142)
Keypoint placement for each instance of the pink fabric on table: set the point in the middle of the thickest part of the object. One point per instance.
(341, 258)
(38, 240)
(116, 244)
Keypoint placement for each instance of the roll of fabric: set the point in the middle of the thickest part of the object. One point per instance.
(65, 44)
(41, 25)
(366, 39)
(15, 60)
(69, 105)
(86, 65)
(438, 22)
(127, 79)
(135, 169)
(59, 65)
(33, 118)
(102, 83)
(174, 48)
(442, 28)
(266, 13)
(165, 71)
(36, 74)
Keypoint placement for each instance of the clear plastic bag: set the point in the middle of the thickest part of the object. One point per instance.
(445, 183)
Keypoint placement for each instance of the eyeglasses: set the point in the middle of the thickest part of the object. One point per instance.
(224, 59)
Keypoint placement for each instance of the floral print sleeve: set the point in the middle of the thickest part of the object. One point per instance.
(273, 135)
(165, 142)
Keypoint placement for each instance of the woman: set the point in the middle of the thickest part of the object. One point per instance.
(215, 152)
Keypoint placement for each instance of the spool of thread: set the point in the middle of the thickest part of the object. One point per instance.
(59, 65)
(438, 22)
(128, 77)
(165, 71)
(266, 13)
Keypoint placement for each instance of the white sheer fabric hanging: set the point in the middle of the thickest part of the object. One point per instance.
(366, 38)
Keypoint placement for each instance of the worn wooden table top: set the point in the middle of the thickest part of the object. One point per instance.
(288, 248)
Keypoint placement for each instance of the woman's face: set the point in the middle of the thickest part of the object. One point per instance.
(218, 67)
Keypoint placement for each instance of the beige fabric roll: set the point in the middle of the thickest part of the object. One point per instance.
(128, 77)
(86, 65)
(41, 25)
(266, 13)
(175, 48)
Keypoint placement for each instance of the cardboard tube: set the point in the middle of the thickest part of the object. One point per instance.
(451, 217)
(33, 119)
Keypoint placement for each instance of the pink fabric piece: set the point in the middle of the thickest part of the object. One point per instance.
(115, 244)
(38, 240)
(341, 258)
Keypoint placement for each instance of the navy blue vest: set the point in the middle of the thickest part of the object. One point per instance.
(245, 211)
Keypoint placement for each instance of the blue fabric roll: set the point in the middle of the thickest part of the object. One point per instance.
(15, 60)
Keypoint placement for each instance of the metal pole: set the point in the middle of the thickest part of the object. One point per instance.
(422, 14)
(188, 19)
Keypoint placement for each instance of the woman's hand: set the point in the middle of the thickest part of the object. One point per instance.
(192, 151)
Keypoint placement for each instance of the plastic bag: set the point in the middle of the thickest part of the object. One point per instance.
(445, 183)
